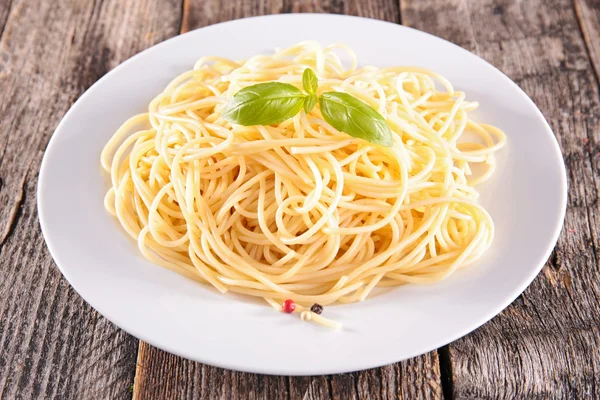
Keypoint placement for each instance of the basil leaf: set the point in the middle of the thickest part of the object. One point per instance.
(309, 102)
(264, 104)
(310, 82)
(350, 115)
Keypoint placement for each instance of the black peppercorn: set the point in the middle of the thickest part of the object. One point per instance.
(317, 309)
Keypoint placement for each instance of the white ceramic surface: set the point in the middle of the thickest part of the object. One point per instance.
(526, 197)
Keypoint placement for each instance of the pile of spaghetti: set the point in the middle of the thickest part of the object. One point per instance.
(299, 210)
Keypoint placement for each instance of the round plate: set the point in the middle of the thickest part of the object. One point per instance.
(526, 198)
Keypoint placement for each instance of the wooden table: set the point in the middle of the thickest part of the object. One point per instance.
(54, 345)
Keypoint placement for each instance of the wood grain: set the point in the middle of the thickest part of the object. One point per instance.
(165, 376)
(546, 344)
(385, 10)
(588, 14)
(52, 344)
(199, 13)
(5, 8)
(161, 375)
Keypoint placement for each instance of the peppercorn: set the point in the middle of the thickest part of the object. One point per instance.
(288, 306)
(317, 309)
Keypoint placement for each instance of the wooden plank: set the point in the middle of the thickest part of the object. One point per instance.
(161, 375)
(5, 8)
(52, 344)
(588, 14)
(386, 10)
(546, 344)
(199, 13)
(203, 13)
(165, 376)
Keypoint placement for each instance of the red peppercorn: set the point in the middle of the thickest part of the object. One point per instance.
(288, 306)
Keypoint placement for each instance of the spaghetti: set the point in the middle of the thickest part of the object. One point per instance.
(299, 210)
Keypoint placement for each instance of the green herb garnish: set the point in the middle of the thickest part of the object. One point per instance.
(348, 114)
(310, 82)
(309, 102)
(264, 104)
(274, 102)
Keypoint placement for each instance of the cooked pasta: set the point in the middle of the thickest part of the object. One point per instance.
(299, 210)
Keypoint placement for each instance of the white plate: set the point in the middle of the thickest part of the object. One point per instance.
(526, 197)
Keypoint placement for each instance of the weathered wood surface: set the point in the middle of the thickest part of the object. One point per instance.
(161, 375)
(546, 344)
(53, 345)
(588, 14)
